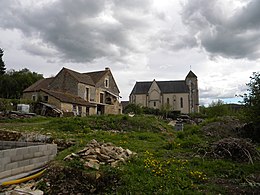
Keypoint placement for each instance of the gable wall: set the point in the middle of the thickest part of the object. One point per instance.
(112, 84)
(65, 82)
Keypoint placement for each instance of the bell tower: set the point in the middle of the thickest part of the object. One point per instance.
(192, 83)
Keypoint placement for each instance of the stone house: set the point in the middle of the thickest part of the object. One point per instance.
(180, 95)
(81, 93)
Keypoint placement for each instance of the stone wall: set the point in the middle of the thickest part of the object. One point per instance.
(22, 157)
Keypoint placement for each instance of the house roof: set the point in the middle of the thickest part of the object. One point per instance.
(141, 87)
(165, 87)
(68, 98)
(41, 84)
(80, 77)
(96, 76)
(173, 86)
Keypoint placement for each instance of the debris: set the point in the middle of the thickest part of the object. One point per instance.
(96, 153)
(240, 150)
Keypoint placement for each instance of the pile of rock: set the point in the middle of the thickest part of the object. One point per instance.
(95, 154)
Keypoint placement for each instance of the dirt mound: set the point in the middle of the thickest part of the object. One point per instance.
(225, 127)
(64, 180)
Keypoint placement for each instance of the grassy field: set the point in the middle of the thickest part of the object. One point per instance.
(167, 162)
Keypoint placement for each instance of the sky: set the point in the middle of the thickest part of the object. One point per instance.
(139, 40)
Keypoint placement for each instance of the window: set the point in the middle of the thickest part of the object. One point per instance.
(87, 94)
(45, 98)
(80, 110)
(181, 102)
(168, 101)
(154, 104)
(34, 97)
(106, 83)
(74, 109)
(101, 98)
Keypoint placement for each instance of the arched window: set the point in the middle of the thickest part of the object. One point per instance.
(181, 102)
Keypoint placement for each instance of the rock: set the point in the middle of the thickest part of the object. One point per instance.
(129, 152)
(92, 157)
(114, 164)
(103, 157)
(97, 150)
(119, 149)
(92, 164)
(96, 154)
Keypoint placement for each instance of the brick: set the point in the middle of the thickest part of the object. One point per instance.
(17, 158)
(44, 158)
(39, 165)
(21, 144)
(5, 174)
(35, 160)
(1, 154)
(33, 149)
(28, 167)
(43, 147)
(28, 156)
(38, 154)
(11, 166)
(23, 163)
(22, 151)
(2, 168)
(5, 160)
(47, 152)
(17, 170)
(8, 153)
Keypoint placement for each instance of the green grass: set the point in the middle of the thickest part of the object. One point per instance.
(167, 162)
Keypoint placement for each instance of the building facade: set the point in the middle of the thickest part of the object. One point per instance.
(181, 95)
(81, 93)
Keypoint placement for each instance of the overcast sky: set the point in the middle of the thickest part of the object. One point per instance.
(140, 40)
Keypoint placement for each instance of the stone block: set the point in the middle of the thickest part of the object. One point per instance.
(5, 160)
(21, 151)
(21, 144)
(23, 163)
(28, 167)
(17, 158)
(39, 165)
(47, 152)
(38, 154)
(28, 156)
(8, 153)
(43, 159)
(1, 154)
(33, 149)
(5, 174)
(12, 165)
(43, 148)
(17, 170)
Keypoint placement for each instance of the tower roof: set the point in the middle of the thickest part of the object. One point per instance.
(191, 75)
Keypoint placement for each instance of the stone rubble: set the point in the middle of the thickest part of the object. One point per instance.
(95, 154)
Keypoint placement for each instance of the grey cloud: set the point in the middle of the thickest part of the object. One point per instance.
(221, 33)
(81, 31)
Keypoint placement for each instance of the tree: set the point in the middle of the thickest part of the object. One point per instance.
(252, 99)
(217, 108)
(136, 109)
(2, 64)
(14, 82)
